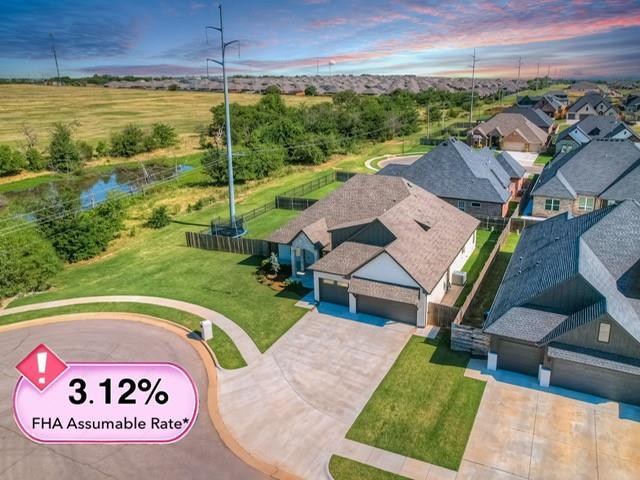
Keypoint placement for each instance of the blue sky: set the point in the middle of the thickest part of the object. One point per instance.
(577, 38)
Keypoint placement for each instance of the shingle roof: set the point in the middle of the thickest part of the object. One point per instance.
(359, 286)
(591, 170)
(401, 207)
(507, 123)
(600, 248)
(455, 170)
(511, 165)
(593, 99)
(535, 115)
(595, 127)
(595, 358)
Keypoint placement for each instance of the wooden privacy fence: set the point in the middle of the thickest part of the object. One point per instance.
(441, 315)
(469, 339)
(245, 246)
(294, 203)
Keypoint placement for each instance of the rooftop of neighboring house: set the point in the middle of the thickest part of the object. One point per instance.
(585, 86)
(511, 165)
(504, 124)
(593, 99)
(599, 250)
(426, 233)
(535, 115)
(609, 169)
(455, 170)
(595, 127)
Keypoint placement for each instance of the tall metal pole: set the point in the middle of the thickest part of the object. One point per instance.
(473, 85)
(55, 57)
(538, 78)
(518, 80)
(232, 205)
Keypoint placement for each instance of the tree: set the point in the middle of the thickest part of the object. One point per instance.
(11, 161)
(164, 135)
(311, 91)
(63, 152)
(34, 159)
(27, 261)
(85, 151)
(101, 149)
(272, 89)
(159, 218)
(128, 142)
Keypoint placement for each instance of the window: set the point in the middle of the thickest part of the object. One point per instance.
(475, 204)
(342, 284)
(604, 332)
(586, 203)
(552, 204)
(326, 281)
(462, 205)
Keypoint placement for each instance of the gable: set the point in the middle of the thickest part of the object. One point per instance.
(374, 234)
(384, 268)
(586, 336)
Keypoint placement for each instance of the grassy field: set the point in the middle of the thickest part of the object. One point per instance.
(487, 291)
(485, 241)
(425, 406)
(100, 111)
(345, 469)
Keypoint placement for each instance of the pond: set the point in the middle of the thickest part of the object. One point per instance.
(91, 188)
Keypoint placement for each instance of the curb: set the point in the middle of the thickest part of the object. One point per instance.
(209, 362)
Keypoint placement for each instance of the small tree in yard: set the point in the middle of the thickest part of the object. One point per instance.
(159, 218)
(275, 264)
(63, 151)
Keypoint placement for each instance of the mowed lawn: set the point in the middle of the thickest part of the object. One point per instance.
(425, 406)
(485, 242)
(100, 111)
(345, 469)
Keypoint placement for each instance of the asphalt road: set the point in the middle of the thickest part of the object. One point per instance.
(201, 454)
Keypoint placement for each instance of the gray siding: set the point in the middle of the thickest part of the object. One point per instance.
(567, 297)
(343, 234)
(620, 342)
(484, 210)
(374, 234)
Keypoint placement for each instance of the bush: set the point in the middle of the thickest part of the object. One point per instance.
(164, 135)
(129, 142)
(63, 152)
(159, 218)
(27, 261)
(311, 91)
(34, 159)
(101, 149)
(11, 161)
(272, 89)
(85, 150)
(173, 87)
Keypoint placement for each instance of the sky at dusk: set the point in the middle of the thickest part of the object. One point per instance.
(573, 38)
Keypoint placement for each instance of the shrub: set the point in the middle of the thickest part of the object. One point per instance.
(63, 152)
(159, 218)
(85, 150)
(11, 161)
(34, 159)
(173, 87)
(101, 149)
(27, 261)
(164, 135)
(311, 91)
(272, 89)
(129, 142)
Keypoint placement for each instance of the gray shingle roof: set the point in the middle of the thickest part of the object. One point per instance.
(511, 165)
(359, 286)
(455, 170)
(595, 127)
(507, 123)
(534, 115)
(403, 209)
(591, 170)
(593, 99)
(600, 248)
(595, 358)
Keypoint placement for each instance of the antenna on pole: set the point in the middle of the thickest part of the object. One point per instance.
(55, 57)
(221, 62)
(473, 85)
(518, 80)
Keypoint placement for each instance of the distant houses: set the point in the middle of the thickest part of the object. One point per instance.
(590, 104)
(553, 104)
(594, 127)
(510, 131)
(474, 181)
(593, 176)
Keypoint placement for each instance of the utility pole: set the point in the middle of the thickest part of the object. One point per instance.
(548, 74)
(428, 123)
(473, 85)
(538, 77)
(55, 58)
(518, 80)
(227, 116)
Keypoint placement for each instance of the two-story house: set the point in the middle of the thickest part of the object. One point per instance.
(594, 127)
(590, 104)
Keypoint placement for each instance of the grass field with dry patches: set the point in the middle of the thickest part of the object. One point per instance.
(100, 111)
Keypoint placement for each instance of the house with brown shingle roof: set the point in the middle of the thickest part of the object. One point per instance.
(509, 131)
(379, 245)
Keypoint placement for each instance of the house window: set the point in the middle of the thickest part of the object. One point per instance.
(475, 204)
(586, 203)
(604, 333)
(462, 205)
(326, 281)
(552, 204)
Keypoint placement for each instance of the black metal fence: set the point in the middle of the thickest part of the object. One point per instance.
(294, 203)
(245, 246)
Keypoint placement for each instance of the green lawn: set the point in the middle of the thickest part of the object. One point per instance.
(323, 191)
(225, 350)
(27, 183)
(485, 242)
(487, 291)
(543, 159)
(425, 406)
(262, 226)
(345, 469)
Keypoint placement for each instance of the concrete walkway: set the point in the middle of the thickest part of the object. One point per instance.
(242, 340)
(393, 462)
(295, 405)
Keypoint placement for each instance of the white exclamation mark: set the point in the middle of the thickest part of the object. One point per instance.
(42, 366)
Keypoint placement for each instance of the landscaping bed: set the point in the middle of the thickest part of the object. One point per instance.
(425, 406)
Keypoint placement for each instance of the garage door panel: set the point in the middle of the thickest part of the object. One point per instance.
(400, 312)
(334, 292)
(518, 357)
(618, 386)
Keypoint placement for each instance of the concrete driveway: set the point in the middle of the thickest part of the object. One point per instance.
(293, 406)
(201, 454)
(522, 431)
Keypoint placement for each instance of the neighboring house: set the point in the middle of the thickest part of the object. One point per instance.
(536, 116)
(561, 96)
(472, 180)
(585, 87)
(550, 104)
(593, 176)
(594, 127)
(590, 104)
(379, 245)
(632, 103)
(568, 308)
(510, 131)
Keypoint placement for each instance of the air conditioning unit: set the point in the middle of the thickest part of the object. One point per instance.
(459, 278)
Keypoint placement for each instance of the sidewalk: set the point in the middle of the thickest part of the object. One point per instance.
(393, 462)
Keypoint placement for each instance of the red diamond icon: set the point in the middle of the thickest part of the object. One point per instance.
(41, 367)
